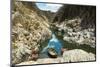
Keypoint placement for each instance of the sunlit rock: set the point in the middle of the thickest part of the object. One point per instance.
(77, 55)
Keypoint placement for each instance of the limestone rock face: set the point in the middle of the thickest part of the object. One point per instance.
(29, 29)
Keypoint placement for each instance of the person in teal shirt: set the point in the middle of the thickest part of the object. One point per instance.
(55, 44)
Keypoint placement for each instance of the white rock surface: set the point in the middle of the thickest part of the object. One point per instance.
(75, 55)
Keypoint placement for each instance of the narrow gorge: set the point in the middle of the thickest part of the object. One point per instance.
(73, 25)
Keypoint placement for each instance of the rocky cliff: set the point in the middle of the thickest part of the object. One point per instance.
(85, 12)
(76, 24)
(29, 29)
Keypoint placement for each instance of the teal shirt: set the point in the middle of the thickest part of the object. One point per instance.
(54, 43)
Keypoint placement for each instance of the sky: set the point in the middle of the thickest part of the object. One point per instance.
(48, 6)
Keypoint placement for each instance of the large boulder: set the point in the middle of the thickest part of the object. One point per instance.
(77, 55)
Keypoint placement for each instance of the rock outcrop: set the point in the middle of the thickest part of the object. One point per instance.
(29, 29)
(77, 55)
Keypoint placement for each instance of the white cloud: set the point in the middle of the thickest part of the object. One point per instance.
(53, 7)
